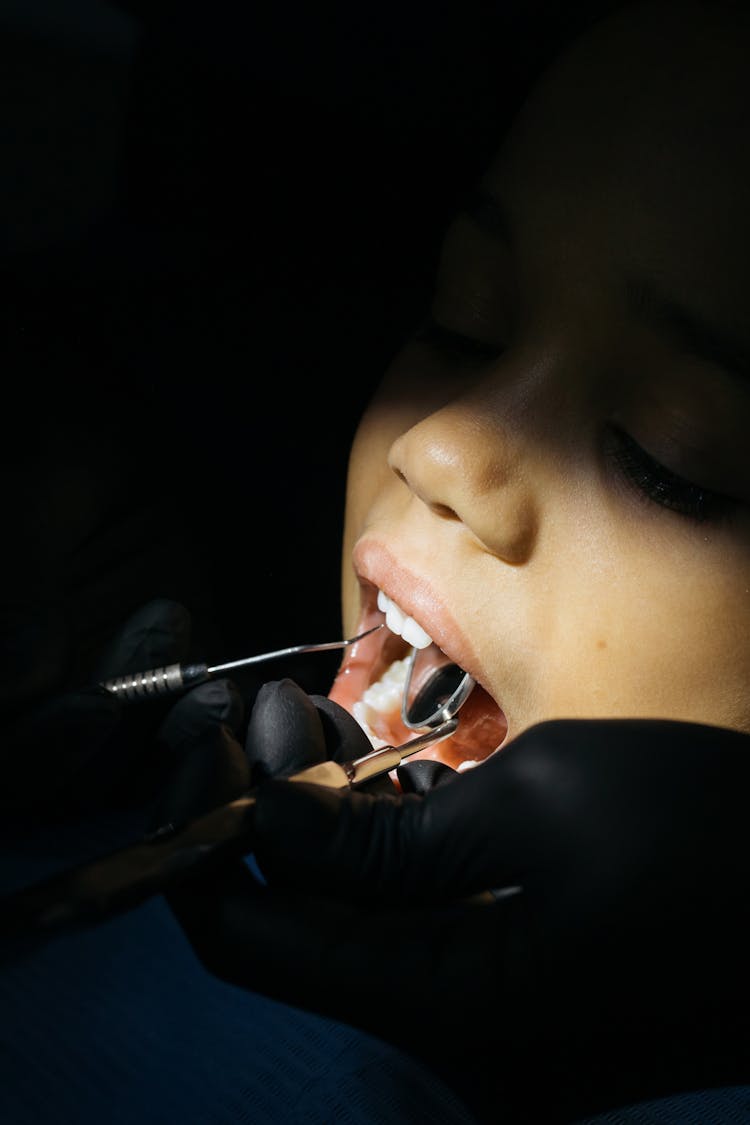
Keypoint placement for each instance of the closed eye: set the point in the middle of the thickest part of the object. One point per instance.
(660, 485)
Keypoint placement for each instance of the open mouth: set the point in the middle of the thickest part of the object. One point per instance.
(371, 680)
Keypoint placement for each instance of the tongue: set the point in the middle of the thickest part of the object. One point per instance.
(481, 729)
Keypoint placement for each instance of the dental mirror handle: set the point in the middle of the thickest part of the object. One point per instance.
(90, 892)
(174, 678)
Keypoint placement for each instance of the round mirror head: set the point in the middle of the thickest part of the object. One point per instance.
(435, 689)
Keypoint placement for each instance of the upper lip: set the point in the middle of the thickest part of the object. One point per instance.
(377, 565)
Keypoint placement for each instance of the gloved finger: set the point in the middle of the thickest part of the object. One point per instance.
(394, 847)
(211, 768)
(564, 804)
(156, 634)
(85, 745)
(423, 775)
(284, 733)
(290, 730)
(345, 740)
(204, 707)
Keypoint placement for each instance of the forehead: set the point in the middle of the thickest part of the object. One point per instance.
(634, 148)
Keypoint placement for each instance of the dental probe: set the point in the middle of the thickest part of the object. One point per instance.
(89, 893)
(173, 678)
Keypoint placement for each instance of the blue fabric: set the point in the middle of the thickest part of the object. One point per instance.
(726, 1105)
(122, 1024)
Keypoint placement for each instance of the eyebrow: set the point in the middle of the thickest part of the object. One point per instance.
(487, 212)
(689, 330)
(686, 328)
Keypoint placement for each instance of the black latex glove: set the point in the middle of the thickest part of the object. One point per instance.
(607, 961)
(68, 752)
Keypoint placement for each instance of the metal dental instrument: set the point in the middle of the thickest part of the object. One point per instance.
(435, 689)
(430, 698)
(174, 678)
(87, 894)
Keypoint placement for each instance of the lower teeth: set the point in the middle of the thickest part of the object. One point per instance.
(358, 711)
(381, 698)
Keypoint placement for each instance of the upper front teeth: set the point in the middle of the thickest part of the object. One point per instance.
(399, 623)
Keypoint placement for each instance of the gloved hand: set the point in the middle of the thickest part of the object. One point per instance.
(559, 929)
(73, 750)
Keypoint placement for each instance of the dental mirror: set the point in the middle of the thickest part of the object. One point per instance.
(435, 688)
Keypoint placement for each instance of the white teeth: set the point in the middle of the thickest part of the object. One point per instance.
(385, 696)
(414, 634)
(358, 711)
(403, 626)
(395, 618)
(381, 698)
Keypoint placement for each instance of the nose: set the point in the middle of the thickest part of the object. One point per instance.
(465, 465)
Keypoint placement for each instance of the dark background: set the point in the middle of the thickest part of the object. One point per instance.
(217, 223)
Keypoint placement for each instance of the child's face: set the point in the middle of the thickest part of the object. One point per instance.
(556, 483)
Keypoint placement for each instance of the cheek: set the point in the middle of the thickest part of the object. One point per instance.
(666, 641)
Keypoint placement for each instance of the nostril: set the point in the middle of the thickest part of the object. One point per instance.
(443, 511)
(465, 470)
(439, 509)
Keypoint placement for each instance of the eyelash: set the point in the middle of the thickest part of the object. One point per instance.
(661, 486)
(654, 481)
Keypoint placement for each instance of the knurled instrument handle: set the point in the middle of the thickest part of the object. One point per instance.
(168, 680)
